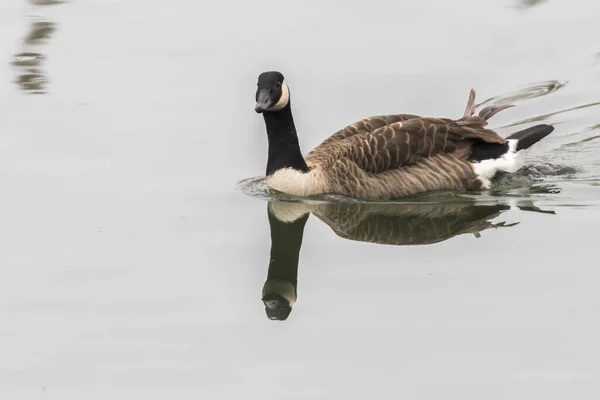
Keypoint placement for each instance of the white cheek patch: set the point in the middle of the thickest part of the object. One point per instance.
(283, 100)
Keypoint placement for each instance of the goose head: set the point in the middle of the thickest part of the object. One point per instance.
(272, 93)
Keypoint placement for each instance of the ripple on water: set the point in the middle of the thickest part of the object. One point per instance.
(526, 93)
(542, 170)
(582, 147)
(548, 115)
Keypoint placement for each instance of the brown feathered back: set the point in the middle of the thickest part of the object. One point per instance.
(404, 143)
(364, 126)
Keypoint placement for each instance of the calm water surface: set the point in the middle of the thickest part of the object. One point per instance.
(133, 265)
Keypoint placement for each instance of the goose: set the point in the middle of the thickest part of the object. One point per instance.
(384, 157)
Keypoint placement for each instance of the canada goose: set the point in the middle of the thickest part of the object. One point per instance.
(385, 224)
(387, 156)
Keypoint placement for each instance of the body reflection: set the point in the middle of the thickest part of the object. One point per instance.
(389, 224)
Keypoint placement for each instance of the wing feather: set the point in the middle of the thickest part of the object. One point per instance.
(362, 127)
(387, 142)
(404, 143)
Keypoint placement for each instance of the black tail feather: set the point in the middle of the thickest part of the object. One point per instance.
(487, 151)
(528, 137)
(525, 139)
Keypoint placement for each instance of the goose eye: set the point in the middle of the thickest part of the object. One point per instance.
(278, 85)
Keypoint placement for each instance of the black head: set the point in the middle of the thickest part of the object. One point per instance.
(272, 94)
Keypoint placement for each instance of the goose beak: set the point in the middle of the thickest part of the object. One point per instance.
(263, 102)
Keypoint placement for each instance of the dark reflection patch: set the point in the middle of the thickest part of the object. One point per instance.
(31, 77)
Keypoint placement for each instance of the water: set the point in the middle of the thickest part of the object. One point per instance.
(133, 264)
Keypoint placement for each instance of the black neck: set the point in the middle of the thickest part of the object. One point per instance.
(286, 240)
(284, 149)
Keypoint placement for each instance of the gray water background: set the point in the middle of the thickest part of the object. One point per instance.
(132, 265)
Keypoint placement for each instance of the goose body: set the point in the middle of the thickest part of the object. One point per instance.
(388, 156)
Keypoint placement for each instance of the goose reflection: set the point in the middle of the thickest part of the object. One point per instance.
(389, 224)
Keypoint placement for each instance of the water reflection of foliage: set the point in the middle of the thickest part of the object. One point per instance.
(40, 31)
(46, 2)
(530, 3)
(32, 78)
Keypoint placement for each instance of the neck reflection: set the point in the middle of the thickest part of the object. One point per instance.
(279, 290)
